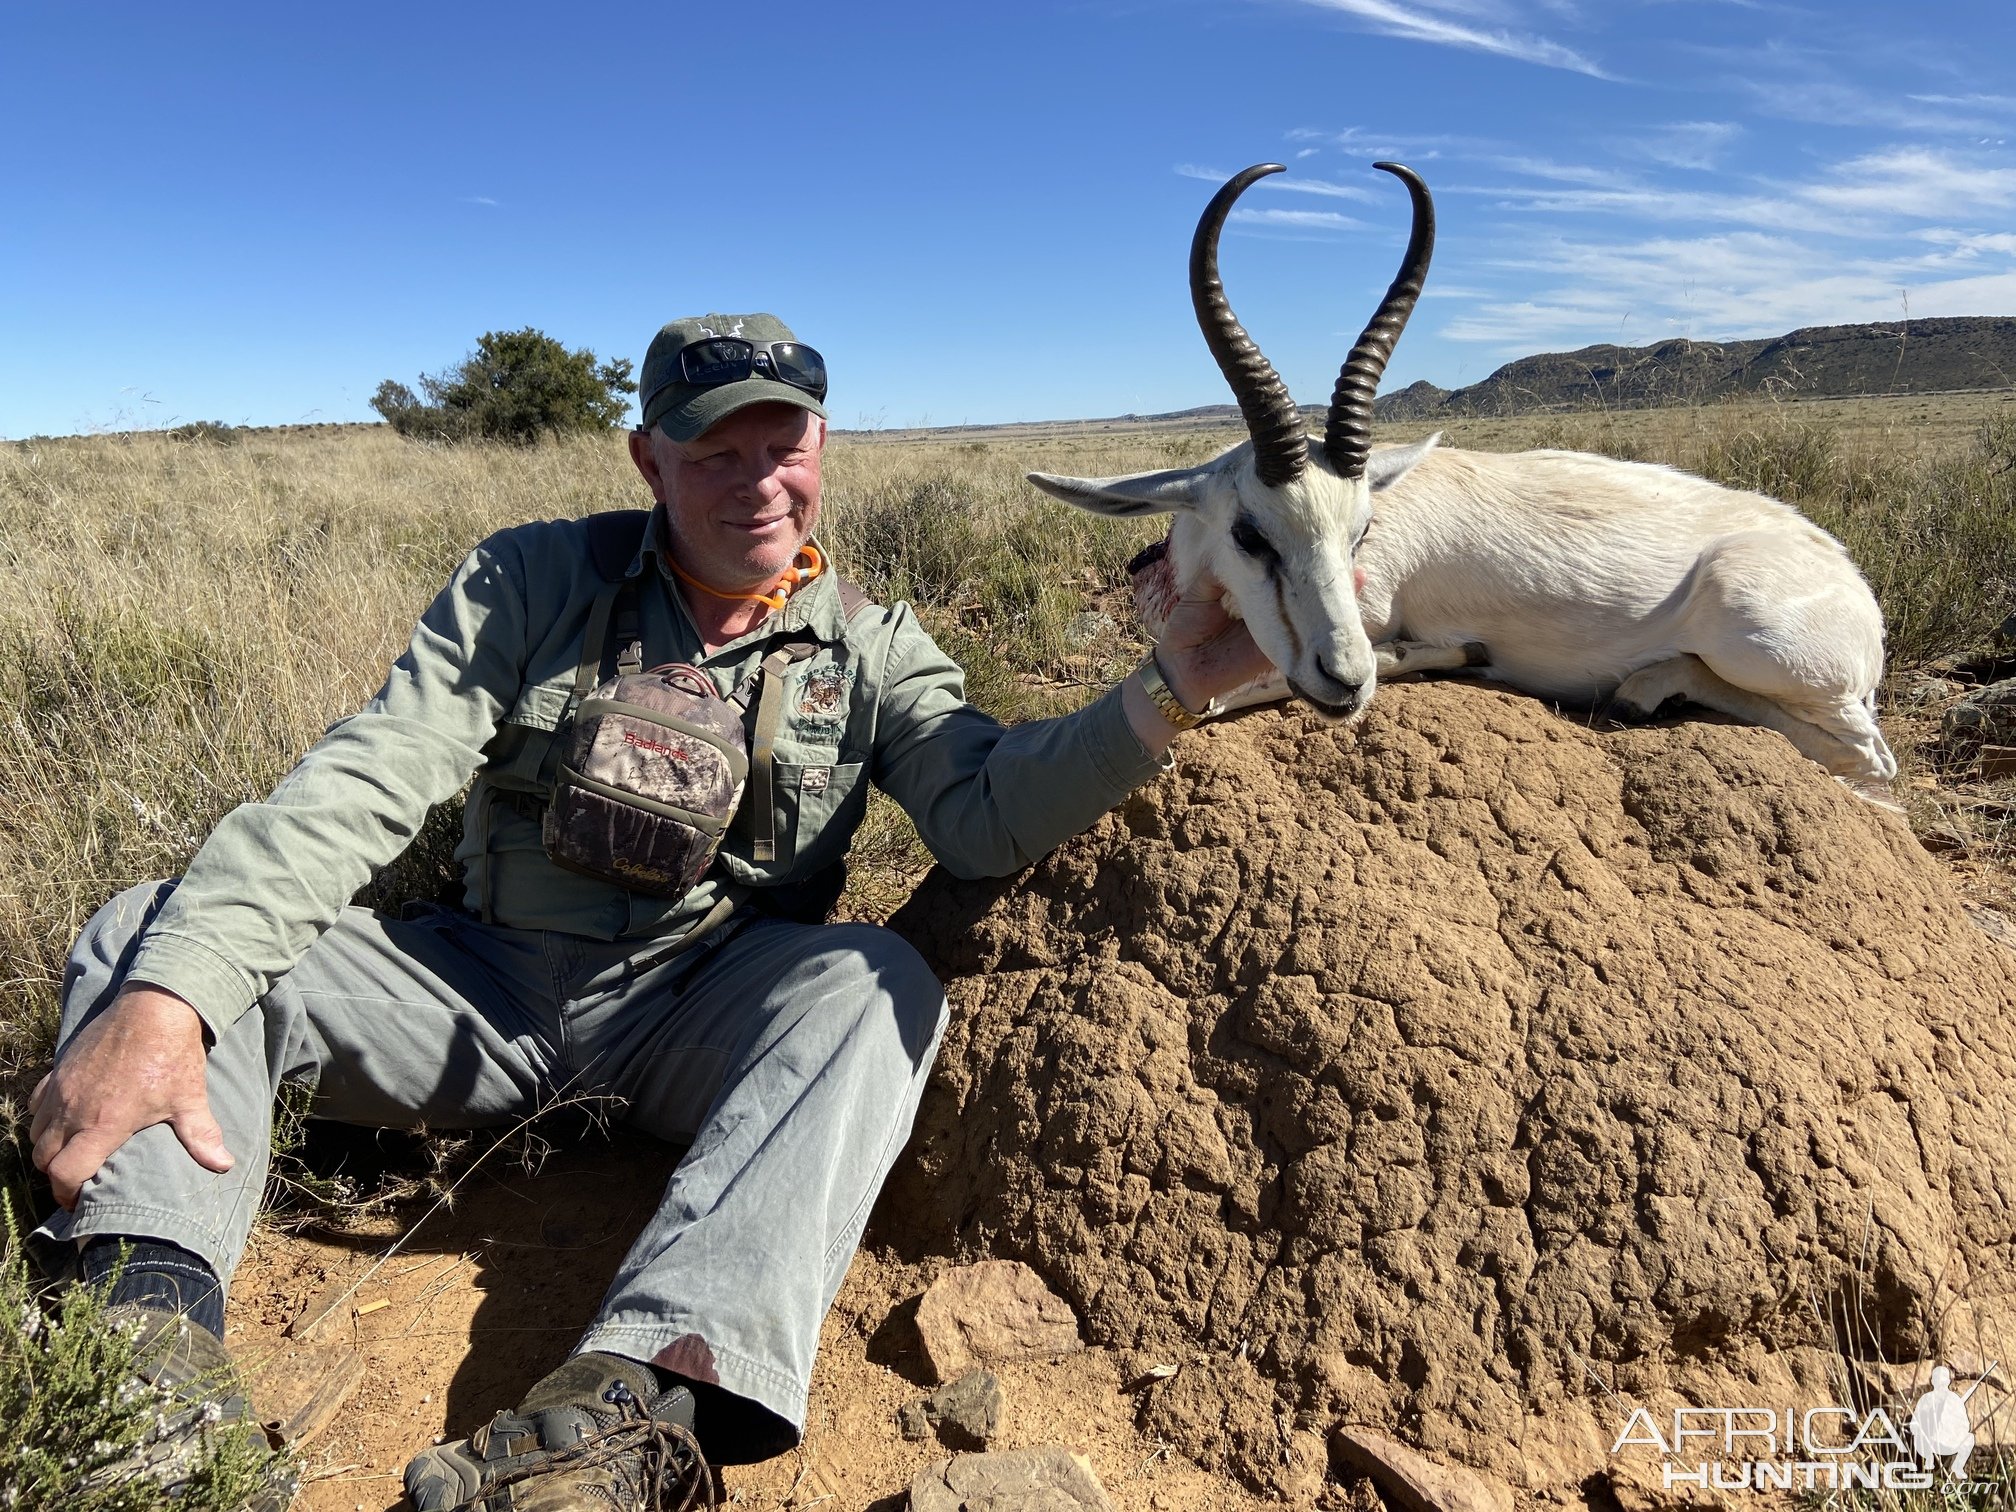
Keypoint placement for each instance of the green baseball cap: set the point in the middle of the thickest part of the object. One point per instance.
(686, 410)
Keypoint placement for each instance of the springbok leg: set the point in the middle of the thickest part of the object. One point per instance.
(1404, 658)
(1689, 677)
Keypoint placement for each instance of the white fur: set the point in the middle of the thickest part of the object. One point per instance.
(1303, 615)
(1582, 577)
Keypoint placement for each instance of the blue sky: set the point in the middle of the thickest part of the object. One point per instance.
(979, 213)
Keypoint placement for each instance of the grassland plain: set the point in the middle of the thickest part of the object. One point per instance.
(179, 619)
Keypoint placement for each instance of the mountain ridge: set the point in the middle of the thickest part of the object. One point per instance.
(1958, 353)
(1840, 361)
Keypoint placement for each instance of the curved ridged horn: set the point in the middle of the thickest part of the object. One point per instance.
(1280, 449)
(1347, 433)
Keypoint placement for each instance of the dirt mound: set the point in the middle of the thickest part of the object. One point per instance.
(1471, 1075)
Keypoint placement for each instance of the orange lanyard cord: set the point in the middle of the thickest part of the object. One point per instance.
(807, 566)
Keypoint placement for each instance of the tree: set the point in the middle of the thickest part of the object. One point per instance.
(516, 386)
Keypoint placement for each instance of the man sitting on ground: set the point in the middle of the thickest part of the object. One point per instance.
(790, 1054)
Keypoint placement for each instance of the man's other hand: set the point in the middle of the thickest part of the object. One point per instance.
(137, 1064)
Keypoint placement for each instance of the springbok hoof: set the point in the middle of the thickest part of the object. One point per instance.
(1476, 654)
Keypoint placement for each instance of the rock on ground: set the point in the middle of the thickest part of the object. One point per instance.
(1986, 716)
(992, 1313)
(1019, 1480)
(965, 1413)
(1413, 1482)
(1468, 1074)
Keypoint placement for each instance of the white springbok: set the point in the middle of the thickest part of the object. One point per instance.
(1572, 576)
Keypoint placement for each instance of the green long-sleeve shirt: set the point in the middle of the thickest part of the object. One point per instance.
(486, 679)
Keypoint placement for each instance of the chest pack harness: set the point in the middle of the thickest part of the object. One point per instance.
(652, 765)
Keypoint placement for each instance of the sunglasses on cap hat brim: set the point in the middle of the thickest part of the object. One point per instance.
(716, 361)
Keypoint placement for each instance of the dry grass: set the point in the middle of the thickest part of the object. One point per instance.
(179, 620)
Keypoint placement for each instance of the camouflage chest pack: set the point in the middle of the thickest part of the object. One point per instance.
(653, 764)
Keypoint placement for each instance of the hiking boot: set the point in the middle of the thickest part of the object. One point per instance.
(597, 1435)
(200, 1399)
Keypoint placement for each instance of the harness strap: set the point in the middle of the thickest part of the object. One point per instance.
(489, 899)
(763, 757)
(593, 644)
(732, 897)
(767, 685)
(613, 540)
(629, 632)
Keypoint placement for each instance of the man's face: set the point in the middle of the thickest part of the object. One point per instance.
(743, 497)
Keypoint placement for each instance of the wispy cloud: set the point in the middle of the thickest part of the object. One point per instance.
(1969, 244)
(1328, 220)
(1998, 102)
(1685, 144)
(1564, 173)
(1913, 181)
(1719, 287)
(1829, 101)
(1391, 19)
(1323, 187)
(1865, 196)
(1644, 202)
(1714, 219)
(1368, 143)
(478, 199)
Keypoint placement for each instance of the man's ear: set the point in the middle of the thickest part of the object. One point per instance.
(1139, 494)
(645, 459)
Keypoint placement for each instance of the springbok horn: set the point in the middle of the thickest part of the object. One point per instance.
(1280, 449)
(1347, 433)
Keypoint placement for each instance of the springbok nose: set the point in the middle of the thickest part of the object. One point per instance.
(1350, 688)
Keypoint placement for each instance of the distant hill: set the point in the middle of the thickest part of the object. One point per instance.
(1915, 357)
(1818, 362)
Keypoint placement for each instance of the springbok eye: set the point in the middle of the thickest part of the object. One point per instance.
(1363, 531)
(1246, 536)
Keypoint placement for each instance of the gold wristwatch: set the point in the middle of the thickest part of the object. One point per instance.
(1159, 694)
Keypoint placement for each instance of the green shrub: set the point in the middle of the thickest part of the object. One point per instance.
(72, 1409)
(916, 539)
(517, 386)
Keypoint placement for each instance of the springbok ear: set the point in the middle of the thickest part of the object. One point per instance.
(1142, 494)
(1385, 468)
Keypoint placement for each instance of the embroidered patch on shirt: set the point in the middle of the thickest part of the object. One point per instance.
(825, 692)
(815, 779)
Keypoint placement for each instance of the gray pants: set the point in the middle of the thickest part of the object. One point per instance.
(792, 1057)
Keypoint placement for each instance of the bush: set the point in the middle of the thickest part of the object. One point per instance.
(74, 1414)
(517, 386)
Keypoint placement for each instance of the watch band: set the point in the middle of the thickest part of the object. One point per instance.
(1164, 700)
